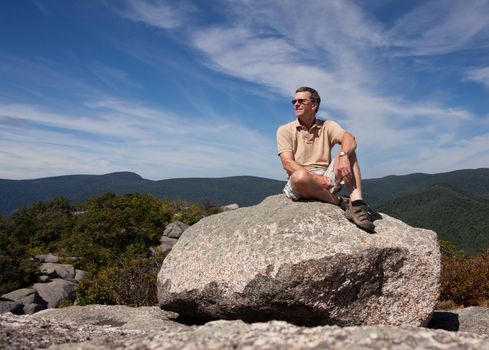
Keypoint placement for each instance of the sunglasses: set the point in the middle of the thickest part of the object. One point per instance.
(300, 100)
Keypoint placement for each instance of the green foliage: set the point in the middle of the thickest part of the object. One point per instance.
(110, 234)
(41, 223)
(449, 249)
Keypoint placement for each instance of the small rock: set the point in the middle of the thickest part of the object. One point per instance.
(56, 292)
(44, 278)
(175, 229)
(11, 306)
(64, 271)
(30, 309)
(80, 275)
(229, 207)
(166, 245)
(24, 296)
(49, 258)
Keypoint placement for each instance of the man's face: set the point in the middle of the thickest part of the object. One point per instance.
(304, 108)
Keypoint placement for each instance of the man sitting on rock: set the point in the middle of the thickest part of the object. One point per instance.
(304, 147)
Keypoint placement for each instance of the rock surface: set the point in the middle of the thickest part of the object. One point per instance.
(470, 319)
(110, 327)
(301, 262)
(143, 318)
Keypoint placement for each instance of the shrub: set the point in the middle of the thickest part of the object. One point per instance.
(109, 234)
(131, 282)
(465, 280)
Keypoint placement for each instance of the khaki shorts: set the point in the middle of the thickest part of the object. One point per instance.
(329, 173)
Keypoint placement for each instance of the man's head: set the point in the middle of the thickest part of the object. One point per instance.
(306, 103)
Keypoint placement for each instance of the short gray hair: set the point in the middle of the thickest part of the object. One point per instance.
(314, 95)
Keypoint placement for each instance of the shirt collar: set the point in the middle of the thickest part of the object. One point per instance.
(318, 124)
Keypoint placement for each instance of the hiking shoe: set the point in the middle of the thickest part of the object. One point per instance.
(359, 216)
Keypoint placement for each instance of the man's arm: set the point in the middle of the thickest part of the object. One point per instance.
(348, 145)
(290, 166)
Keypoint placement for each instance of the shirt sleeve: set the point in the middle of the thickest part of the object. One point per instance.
(284, 140)
(335, 131)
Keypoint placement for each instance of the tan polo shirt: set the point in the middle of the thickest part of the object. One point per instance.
(311, 148)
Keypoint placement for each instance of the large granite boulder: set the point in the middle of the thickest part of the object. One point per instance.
(302, 262)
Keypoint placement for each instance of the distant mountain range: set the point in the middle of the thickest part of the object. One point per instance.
(453, 204)
(244, 190)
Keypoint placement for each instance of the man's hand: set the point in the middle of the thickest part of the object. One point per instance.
(344, 168)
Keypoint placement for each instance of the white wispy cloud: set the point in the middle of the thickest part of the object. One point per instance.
(161, 14)
(439, 27)
(336, 47)
(480, 75)
(115, 135)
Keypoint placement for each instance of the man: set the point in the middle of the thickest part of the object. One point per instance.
(304, 147)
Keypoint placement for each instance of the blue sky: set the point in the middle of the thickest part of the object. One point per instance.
(198, 88)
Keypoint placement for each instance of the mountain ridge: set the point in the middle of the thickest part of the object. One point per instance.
(244, 190)
(400, 196)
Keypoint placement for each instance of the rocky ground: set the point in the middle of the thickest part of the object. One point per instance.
(116, 327)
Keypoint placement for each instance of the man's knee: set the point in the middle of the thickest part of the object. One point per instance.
(299, 178)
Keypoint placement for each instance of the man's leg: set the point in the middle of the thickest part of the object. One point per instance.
(357, 210)
(312, 186)
(354, 186)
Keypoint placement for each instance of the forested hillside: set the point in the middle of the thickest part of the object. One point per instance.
(473, 181)
(458, 217)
